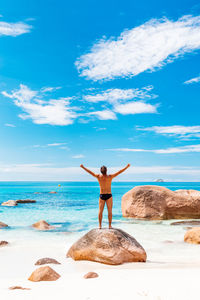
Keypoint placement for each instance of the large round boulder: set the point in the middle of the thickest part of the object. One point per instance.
(192, 236)
(108, 246)
(157, 203)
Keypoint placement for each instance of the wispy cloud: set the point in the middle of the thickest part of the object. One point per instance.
(135, 107)
(103, 114)
(171, 150)
(146, 47)
(184, 132)
(52, 172)
(123, 101)
(113, 96)
(50, 89)
(78, 156)
(42, 111)
(193, 80)
(14, 29)
(9, 125)
(55, 145)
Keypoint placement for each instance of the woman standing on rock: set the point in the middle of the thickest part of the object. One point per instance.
(105, 190)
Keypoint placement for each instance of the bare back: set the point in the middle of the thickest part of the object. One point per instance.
(105, 183)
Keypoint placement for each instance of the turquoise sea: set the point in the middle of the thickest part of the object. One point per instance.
(73, 210)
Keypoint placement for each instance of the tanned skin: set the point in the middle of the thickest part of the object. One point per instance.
(105, 182)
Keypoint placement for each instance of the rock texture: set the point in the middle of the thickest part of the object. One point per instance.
(192, 236)
(42, 225)
(44, 274)
(108, 246)
(3, 225)
(157, 203)
(25, 201)
(91, 275)
(189, 223)
(9, 203)
(3, 243)
(16, 287)
(46, 260)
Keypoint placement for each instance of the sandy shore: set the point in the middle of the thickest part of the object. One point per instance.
(162, 277)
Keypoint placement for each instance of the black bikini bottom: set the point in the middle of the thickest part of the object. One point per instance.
(105, 196)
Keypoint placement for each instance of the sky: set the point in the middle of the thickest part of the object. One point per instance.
(99, 83)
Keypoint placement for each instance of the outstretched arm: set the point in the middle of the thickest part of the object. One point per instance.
(120, 171)
(89, 171)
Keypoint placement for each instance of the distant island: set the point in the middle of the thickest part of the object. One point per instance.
(159, 180)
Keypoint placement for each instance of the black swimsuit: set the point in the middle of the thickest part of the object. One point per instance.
(105, 196)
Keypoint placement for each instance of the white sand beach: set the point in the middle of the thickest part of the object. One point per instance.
(171, 272)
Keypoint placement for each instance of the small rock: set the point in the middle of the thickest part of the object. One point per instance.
(9, 203)
(46, 260)
(25, 201)
(18, 288)
(3, 225)
(192, 236)
(53, 192)
(90, 275)
(168, 242)
(3, 243)
(44, 274)
(190, 223)
(42, 225)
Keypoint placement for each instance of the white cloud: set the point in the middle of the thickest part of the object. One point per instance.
(135, 107)
(146, 47)
(184, 132)
(193, 80)
(14, 29)
(51, 172)
(120, 101)
(115, 95)
(78, 156)
(172, 150)
(103, 114)
(56, 144)
(40, 111)
(50, 89)
(9, 125)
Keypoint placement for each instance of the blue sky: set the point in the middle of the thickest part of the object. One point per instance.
(99, 82)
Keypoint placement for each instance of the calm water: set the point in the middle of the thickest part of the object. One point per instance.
(74, 210)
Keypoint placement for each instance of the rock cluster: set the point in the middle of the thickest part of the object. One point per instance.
(157, 203)
(15, 202)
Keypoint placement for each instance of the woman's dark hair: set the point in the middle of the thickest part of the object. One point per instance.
(103, 170)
